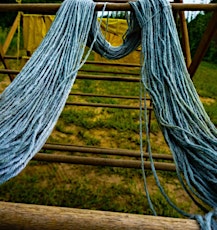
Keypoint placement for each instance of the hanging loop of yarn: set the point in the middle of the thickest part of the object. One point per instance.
(131, 40)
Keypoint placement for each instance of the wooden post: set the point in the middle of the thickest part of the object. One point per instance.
(4, 48)
(5, 64)
(185, 37)
(15, 216)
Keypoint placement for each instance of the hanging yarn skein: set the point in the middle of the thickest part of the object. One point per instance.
(190, 134)
(187, 129)
(185, 124)
(31, 104)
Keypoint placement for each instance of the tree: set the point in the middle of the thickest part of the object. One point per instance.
(196, 29)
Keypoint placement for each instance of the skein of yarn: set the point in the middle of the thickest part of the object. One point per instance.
(31, 104)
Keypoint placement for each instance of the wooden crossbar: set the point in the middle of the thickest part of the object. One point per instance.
(111, 6)
(16, 216)
(104, 151)
(97, 161)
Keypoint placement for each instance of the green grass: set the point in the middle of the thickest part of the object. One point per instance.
(108, 189)
(205, 82)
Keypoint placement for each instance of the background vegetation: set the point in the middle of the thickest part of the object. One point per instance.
(196, 29)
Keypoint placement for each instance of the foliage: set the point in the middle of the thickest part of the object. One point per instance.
(6, 19)
(196, 29)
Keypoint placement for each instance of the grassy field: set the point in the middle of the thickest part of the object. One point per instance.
(205, 82)
(105, 188)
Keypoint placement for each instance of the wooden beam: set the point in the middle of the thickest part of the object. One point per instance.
(204, 44)
(52, 8)
(103, 105)
(107, 96)
(87, 76)
(16, 216)
(102, 161)
(112, 64)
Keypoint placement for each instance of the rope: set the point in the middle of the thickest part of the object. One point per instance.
(31, 105)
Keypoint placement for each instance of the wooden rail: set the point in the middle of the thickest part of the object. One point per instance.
(16, 216)
(111, 6)
(104, 151)
(86, 76)
(104, 105)
(97, 161)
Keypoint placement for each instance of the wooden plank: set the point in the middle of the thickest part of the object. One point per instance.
(204, 44)
(16, 216)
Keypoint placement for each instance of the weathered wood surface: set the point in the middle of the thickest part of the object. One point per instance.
(16, 216)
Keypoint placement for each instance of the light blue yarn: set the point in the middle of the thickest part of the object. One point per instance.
(131, 40)
(31, 105)
(187, 128)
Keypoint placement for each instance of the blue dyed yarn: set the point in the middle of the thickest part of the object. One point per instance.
(187, 129)
(31, 105)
